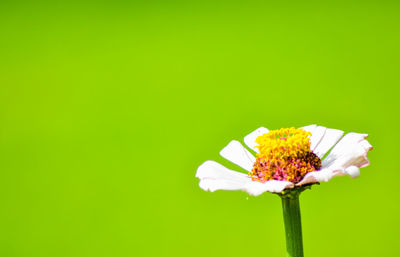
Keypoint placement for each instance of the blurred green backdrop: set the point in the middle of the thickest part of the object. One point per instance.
(108, 108)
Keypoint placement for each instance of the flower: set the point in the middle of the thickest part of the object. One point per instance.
(286, 158)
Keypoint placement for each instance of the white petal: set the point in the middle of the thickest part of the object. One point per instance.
(329, 139)
(213, 176)
(323, 175)
(214, 170)
(250, 139)
(236, 153)
(316, 136)
(347, 157)
(355, 155)
(351, 150)
(315, 176)
(309, 128)
(366, 145)
(353, 171)
(275, 186)
(220, 184)
(327, 174)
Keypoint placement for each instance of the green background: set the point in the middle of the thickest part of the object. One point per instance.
(108, 108)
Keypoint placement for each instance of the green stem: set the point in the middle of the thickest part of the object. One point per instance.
(292, 219)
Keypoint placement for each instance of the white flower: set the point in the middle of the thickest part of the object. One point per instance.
(346, 158)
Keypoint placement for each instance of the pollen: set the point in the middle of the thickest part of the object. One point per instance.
(285, 155)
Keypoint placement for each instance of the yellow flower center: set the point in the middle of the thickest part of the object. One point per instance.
(284, 154)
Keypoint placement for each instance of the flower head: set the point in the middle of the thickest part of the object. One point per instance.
(285, 155)
(286, 158)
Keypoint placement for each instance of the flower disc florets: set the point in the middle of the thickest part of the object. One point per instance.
(284, 154)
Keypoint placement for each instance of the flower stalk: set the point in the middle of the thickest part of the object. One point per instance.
(292, 220)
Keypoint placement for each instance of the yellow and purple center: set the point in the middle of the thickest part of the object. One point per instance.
(285, 155)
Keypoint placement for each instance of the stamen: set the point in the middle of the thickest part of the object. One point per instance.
(284, 155)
